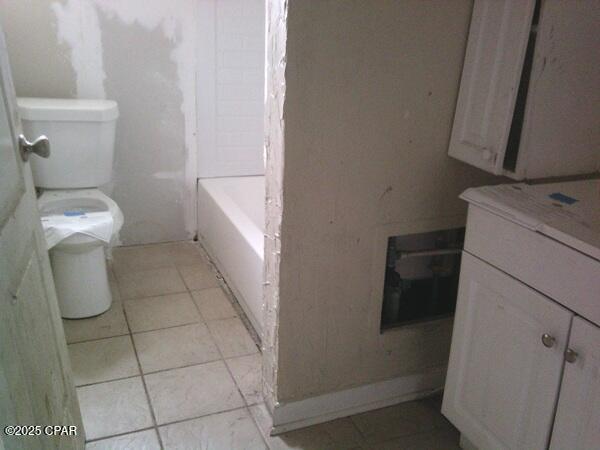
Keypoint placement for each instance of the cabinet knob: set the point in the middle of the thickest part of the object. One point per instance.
(486, 155)
(571, 355)
(548, 340)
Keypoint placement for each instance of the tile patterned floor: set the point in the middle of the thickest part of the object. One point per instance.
(172, 365)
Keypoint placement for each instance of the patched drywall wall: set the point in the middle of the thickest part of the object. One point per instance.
(367, 101)
(40, 63)
(143, 55)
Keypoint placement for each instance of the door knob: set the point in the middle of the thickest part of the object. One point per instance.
(548, 340)
(571, 355)
(41, 147)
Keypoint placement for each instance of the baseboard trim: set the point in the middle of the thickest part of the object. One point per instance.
(326, 407)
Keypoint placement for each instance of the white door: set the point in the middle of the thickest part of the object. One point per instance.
(35, 377)
(577, 423)
(503, 380)
(491, 74)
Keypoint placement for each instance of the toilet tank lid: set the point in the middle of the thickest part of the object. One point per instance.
(63, 109)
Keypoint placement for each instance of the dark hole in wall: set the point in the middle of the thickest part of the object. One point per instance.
(421, 278)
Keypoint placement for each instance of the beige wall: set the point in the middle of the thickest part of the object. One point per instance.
(359, 133)
(143, 56)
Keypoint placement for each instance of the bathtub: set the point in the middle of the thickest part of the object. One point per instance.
(231, 223)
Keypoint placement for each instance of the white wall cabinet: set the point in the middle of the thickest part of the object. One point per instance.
(524, 370)
(529, 99)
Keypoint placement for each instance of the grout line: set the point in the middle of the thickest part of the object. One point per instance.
(220, 358)
(160, 371)
(108, 381)
(153, 244)
(169, 327)
(205, 289)
(119, 434)
(201, 416)
(96, 339)
(184, 367)
(130, 299)
(146, 331)
(119, 274)
(229, 358)
(150, 406)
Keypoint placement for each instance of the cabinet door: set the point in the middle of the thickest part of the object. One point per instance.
(561, 131)
(503, 381)
(491, 74)
(577, 424)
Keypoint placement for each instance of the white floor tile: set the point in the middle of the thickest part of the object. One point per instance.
(109, 324)
(141, 440)
(198, 276)
(175, 347)
(147, 283)
(231, 337)
(163, 311)
(184, 253)
(114, 407)
(213, 304)
(193, 391)
(138, 258)
(247, 373)
(232, 430)
(103, 360)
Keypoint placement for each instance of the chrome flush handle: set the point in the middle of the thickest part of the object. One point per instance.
(41, 147)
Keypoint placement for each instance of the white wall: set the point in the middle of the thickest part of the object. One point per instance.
(231, 88)
(360, 104)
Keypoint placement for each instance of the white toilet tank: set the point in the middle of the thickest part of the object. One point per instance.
(82, 139)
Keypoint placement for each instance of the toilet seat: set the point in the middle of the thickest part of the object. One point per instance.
(79, 224)
(76, 201)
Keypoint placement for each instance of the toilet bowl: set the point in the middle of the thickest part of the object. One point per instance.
(79, 221)
(79, 261)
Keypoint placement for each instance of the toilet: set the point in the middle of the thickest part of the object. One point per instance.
(80, 222)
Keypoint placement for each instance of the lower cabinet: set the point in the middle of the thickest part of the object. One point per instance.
(524, 371)
(577, 424)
